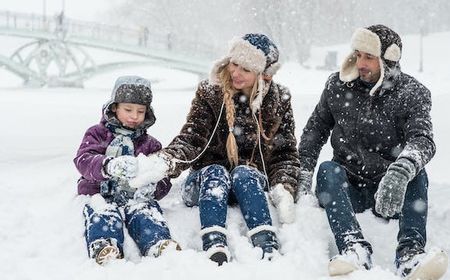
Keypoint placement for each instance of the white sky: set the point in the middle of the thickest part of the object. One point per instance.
(79, 9)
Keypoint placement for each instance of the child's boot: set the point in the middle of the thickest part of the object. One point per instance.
(162, 246)
(104, 250)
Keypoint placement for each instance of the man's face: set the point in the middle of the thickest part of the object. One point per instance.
(368, 66)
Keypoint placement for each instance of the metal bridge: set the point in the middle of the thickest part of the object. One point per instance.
(57, 55)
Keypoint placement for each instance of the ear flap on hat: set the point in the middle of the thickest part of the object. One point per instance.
(272, 69)
(380, 80)
(150, 118)
(348, 71)
(393, 53)
(216, 68)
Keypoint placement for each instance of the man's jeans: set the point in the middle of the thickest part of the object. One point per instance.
(342, 200)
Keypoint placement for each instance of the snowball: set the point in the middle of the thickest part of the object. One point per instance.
(151, 169)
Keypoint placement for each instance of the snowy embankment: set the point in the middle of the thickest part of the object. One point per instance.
(41, 223)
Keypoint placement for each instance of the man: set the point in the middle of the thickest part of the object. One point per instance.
(382, 139)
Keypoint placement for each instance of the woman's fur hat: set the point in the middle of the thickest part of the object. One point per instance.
(255, 52)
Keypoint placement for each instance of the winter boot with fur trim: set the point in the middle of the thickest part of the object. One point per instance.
(264, 237)
(215, 244)
(416, 264)
(352, 258)
(163, 246)
(104, 250)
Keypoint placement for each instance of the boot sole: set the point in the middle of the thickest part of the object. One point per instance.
(339, 267)
(219, 258)
(432, 269)
(165, 245)
(106, 254)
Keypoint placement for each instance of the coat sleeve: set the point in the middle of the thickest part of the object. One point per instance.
(91, 154)
(418, 129)
(316, 132)
(284, 164)
(194, 134)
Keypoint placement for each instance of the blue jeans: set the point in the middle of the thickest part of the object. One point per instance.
(341, 200)
(144, 222)
(212, 186)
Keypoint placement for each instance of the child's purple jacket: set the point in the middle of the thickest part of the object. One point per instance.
(91, 154)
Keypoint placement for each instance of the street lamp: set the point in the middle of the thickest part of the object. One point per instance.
(421, 34)
(44, 14)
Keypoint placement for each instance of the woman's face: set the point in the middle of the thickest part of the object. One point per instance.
(242, 79)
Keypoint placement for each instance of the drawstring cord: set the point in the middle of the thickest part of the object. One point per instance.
(260, 148)
(176, 160)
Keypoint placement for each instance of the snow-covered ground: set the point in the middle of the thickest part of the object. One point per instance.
(41, 222)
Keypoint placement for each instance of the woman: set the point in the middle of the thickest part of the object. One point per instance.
(239, 141)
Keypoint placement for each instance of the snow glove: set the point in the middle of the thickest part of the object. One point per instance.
(152, 169)
(391, 191)
(283, 201)
(123, 167)
(305, 182)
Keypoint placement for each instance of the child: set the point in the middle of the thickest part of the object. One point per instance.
(106, 160)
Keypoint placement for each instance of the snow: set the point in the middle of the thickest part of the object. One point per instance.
(41, 221)
(152, 169)
(284, 203)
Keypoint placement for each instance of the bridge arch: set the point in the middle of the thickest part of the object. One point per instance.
(57, 54)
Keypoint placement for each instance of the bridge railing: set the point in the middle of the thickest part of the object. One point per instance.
(63, 27)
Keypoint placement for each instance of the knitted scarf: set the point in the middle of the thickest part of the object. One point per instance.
(121, 145)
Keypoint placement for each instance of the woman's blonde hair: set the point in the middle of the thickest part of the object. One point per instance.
(228, 94)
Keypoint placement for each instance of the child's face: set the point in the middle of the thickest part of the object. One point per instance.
(129, 114)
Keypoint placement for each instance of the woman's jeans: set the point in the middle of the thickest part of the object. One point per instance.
(212, 186)
(342, 199)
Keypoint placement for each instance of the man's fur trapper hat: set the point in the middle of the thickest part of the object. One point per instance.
(377, 40)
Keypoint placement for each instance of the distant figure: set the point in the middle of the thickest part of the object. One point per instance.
(143, 40)
(169, 41)
(107, 161)
(61, 25)
(382, 139)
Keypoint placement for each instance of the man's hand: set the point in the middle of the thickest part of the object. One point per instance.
(391, 191)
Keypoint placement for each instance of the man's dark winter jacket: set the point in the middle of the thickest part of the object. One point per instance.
(280, 153)
(370, 132)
